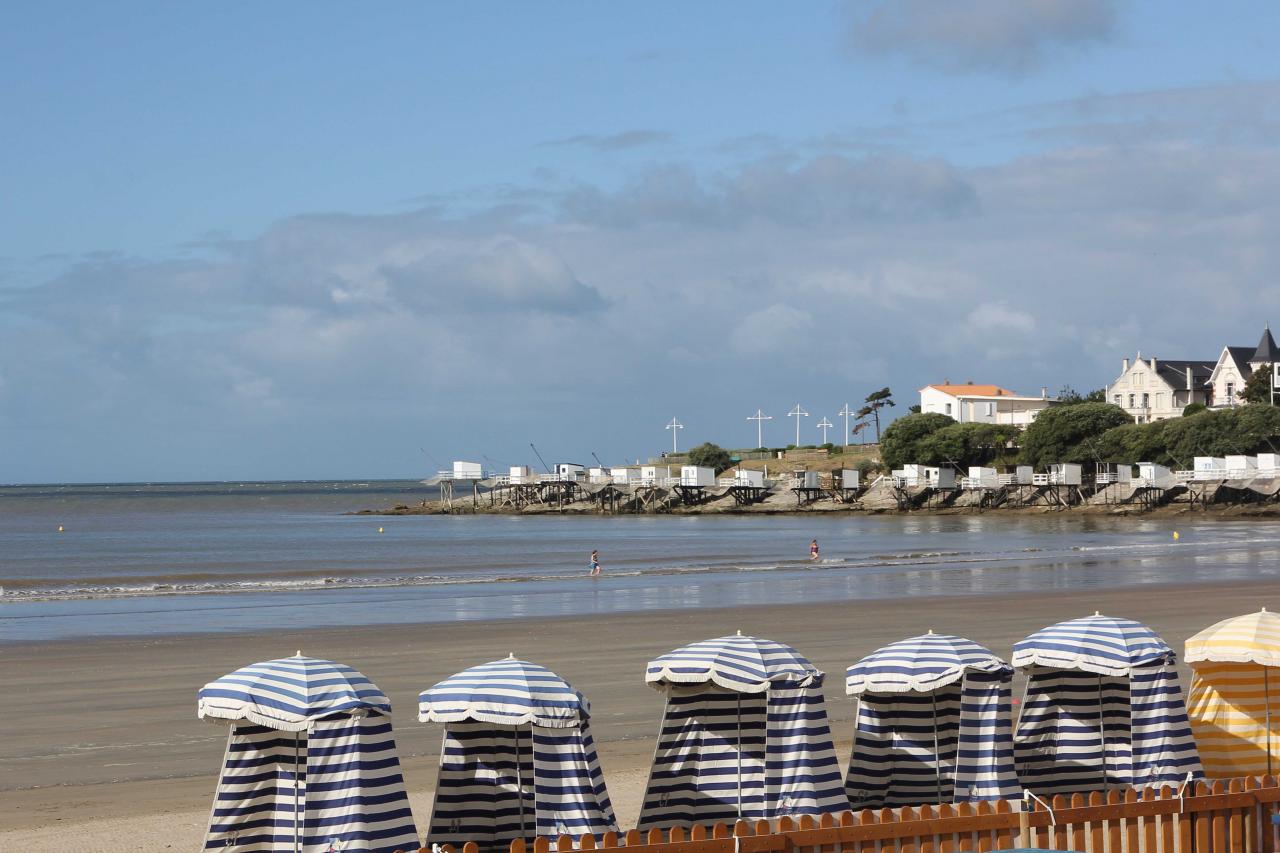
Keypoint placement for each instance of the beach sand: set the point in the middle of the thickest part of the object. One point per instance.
(103, 751)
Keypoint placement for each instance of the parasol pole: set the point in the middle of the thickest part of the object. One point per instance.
(1266, 699)
(739, 695)
(520, 785)
(937, 758)
(297, 847)
(1102, 729)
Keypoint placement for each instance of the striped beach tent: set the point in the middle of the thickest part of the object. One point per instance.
(1103, 708)
(744, 734)
(311, 764)
(934, 724)
(1235, 667)
(517, 761)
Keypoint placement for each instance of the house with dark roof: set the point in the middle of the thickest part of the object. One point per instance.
(1152, 389)
(1235, 366)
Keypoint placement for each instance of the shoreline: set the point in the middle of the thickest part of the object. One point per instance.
(112, 749)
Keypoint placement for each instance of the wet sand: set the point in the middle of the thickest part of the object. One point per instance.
(103, 750)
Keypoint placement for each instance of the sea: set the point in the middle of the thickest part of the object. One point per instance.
(103, 560)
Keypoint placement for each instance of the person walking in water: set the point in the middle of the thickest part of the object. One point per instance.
(813, 550)
(595, 564)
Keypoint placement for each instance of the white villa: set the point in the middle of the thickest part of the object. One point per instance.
(984, 404)
(1152, 389)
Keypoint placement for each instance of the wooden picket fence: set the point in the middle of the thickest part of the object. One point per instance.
(1222, 817)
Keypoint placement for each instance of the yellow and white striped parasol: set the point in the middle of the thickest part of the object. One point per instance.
(1252, 638)
(1230, 701)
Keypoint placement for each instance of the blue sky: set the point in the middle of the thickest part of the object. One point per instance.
(307, 240)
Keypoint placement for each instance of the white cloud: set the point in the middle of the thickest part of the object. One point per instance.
(1004, 36)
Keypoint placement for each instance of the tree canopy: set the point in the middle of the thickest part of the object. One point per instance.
(1069, 433)
(708, 455)
(901, 441)
(1258, 387)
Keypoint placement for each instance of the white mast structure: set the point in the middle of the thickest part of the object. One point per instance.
(824, 425)
(760, 417)
(845, 413)
(797, 413)
(675, 426)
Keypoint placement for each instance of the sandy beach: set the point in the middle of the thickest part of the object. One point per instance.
(111, 755)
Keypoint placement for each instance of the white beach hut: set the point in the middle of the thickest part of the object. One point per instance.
(569, 472)
(748, 477)
(1103, 708)
(467, 470)
(981, 478)
(697, 475)
(623, 476)
(744, 735)
(1268, 465)
(926, 475)
(518, 760)
(1065, 474)
(1241, 467)
(934, 725)
(1210, 468)
(849, 478)
(311, 762)
(655, 475)
(520, 475)
(1153, 476)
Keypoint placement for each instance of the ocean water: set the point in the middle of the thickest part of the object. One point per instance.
(182, 558)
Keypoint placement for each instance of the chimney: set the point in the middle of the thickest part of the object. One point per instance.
(1125, 368)
(1153, 363)
(1188, 382)
(1044, 392)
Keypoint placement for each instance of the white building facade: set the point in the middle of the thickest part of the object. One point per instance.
(984, 404)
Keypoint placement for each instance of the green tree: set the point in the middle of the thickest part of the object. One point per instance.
(708, 455)
(902, 438)
(1258, 388)
(963, 445)
(1193, 408)
(1069, 396)
(876, 401)
(1069, 433)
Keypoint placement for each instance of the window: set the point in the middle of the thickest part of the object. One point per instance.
(1117, 399)
(1231, 393)
(1131, 399)
(948, 408)
(1146, 401)
(991, 409)
(1160, 404)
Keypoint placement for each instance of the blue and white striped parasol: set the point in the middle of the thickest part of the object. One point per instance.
(737, 663)
(934, 724)
(921, 665)
(289, 694)
(744, 735)
(311, 761)
(508, 692)
(1103, 707)
(1098, 644)
(518, 759)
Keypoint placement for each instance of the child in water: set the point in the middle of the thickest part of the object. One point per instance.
(813, 550)
(595, 564)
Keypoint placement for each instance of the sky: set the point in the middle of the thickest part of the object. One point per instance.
(319, 240)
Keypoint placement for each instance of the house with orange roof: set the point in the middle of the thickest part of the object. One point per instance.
(984, 404)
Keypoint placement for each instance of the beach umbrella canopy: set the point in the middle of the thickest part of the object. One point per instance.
(933, 724)
(508, 692)
(518, 759)
(1230, 703)
(289, 694)
(921, 665)
(1252, 638)
(310, 764)
(737, 663)
(1103, 707)
(1099, 644)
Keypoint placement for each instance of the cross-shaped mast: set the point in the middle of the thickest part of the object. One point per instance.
(760, 417)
